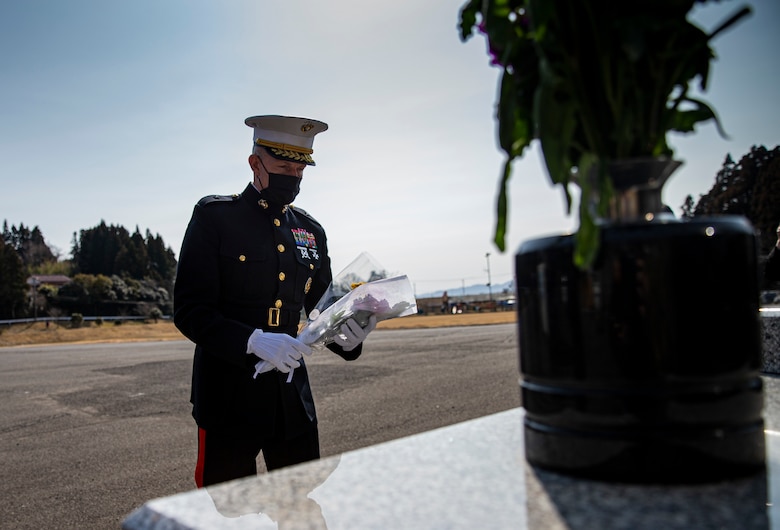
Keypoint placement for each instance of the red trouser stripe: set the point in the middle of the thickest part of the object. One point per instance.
(201, 458)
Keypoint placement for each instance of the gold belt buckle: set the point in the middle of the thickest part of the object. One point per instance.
(274, 316)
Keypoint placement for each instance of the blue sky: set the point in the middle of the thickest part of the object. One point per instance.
(129, 112)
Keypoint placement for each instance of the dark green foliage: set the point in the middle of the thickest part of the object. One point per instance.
(28, 244)
(133, 259)
(76, 320)
(112, 250)
(750, 188)
(116, 273)
(13, 299)
(162, 262)
(155, 314)
(103, 295)
(101, 249)
(594, 81)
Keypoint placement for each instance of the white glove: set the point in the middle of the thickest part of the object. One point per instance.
(262, 367)
(352, 334)
(279, 349)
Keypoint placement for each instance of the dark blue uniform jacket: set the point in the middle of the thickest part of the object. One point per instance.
(243, 265)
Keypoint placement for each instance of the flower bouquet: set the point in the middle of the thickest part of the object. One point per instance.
(359, 291)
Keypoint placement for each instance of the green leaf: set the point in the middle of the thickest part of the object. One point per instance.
(684, 120)
(514, 125)
(468, 18)
(586, 239)
(502, 202)
(733, 19)
(593, 81)
(591, 179)
(555, 127)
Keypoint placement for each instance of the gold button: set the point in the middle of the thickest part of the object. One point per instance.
(277, 222)
(280, 248)
(242, 258)
(281, 276)
(311, 266)
(278, 304)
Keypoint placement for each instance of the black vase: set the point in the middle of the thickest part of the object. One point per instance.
(645, 366)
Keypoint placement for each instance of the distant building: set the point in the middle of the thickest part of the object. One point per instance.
(57, 280)
(504, 301)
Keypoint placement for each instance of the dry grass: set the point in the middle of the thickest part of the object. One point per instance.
(38, 333)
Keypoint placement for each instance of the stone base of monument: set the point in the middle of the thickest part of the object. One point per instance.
(770, 330)
(469, 475)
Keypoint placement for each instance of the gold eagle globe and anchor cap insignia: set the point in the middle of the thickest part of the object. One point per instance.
(286, 137)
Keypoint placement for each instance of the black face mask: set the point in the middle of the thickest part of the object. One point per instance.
(282, 189)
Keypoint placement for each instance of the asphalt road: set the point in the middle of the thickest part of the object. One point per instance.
(90, 432)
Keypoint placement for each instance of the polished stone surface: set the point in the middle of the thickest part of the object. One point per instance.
(468, 475)
(770, 329)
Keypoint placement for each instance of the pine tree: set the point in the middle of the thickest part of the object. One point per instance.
(28, 244)
(99, 248)
(750, 188)
(111, 250)
(13, 300)
(688, 207)
(133, 259)
(162, 262)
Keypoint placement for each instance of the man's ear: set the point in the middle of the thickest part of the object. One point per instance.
(254, 162)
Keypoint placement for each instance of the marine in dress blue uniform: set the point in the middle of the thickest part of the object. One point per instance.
(249, 264)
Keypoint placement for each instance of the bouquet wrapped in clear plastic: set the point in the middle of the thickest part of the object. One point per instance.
(361, 290)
